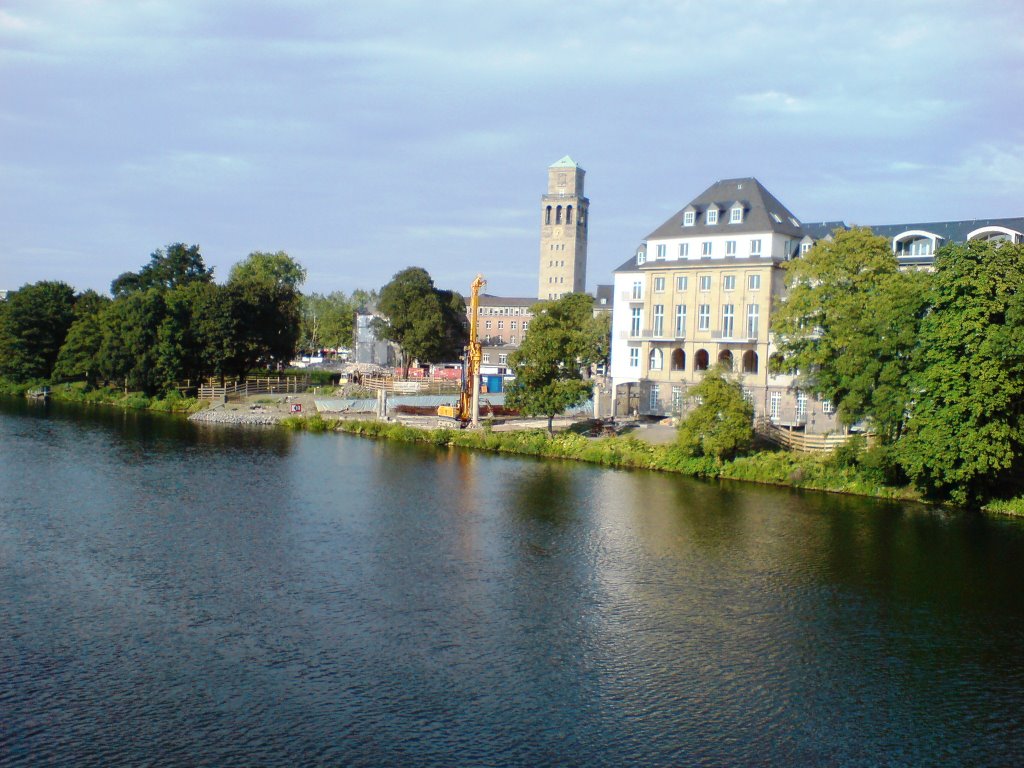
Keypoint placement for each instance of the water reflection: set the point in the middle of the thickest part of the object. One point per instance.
(216, 596)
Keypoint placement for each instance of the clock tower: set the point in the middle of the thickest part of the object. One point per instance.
(564, 218)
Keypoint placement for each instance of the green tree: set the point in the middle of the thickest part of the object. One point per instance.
(79, 355)
(426, 323)
(327, 321)
(553, 363)
(848, 327)
(176, 266)
(34, 323)
(278, 268)
(722, 424)
(128, 353)
(259, 321)
(965, 433)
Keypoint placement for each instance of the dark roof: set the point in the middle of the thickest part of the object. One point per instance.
(762, 212)
(950, 231)
(489, 300)
(819, 229)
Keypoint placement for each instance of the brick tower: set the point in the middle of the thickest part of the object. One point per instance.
(563, 232)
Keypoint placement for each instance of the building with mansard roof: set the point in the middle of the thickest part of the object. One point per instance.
(700, 291)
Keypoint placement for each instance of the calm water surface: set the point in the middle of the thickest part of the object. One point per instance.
(178, 595)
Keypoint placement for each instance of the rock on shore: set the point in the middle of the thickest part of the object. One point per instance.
(236, 416)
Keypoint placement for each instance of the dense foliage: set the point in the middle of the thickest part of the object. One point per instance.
(168, 322)
(722, 424)
(933, 362)
(428, 324)
(553, 363)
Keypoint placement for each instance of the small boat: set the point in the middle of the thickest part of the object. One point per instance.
(40, 393)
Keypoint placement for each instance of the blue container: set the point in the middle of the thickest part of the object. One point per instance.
(494, 383)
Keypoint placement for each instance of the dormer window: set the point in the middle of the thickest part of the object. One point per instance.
(712, 216)
(641, 256)
(735, 215)
(688, 218)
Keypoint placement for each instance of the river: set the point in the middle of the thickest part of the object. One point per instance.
(174, 594)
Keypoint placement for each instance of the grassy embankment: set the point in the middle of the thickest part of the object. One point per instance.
(79, 393)
(817, 472)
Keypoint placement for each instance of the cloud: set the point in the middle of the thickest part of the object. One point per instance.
(772, 101)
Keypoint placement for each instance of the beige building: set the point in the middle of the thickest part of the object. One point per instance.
(700, 291)
(563, 232)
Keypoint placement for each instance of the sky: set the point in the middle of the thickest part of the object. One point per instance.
(362, 138)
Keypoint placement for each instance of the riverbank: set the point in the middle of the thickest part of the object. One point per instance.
(803, 471)
(136, 401)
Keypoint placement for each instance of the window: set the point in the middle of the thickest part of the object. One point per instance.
(487, 325)
(634, 357)
(513, 325)
(512, 339)
(705, 249)
(729, 282)
(634, 322)
(753, 282)
(662, 248)
(659, 285)
(688, 218)
(641, 257)
(730, 247)
(526, 324)
(705, 283)
(655, 397)
(638, 290)
(712, 216)
(755, 247)
(736, 215)
(753, 310)
(703, 317)
(728, 318)
(656, 360)
(805, 247)
(501, 325)
(677, 400)
(502, 359)
(680, 321)
(487, 358)
(659, 320)
(681, 283)
(774, 403)
(826, 407)
(801, 405)
(684, 250)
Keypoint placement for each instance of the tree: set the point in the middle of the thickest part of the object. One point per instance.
(848, 327)
(128, 352)
(965, 432)
(79, 355)
(426, 323)
(722, 424)
(278, 268)
(176, 266)
(552, 365)
(259, 321)
(327, 321)
(34, 322)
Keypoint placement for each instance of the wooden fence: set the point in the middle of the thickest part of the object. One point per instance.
(798, 441)
(410, 386)
(254, 385)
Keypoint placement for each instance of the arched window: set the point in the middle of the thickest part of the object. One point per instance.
(678, 360)
(568, 214)
(700, 360)
(750, 361)
(725, 358)
(547, 215)
(656, 361)
(558, 215)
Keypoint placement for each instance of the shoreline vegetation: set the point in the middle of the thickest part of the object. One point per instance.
(831, 473)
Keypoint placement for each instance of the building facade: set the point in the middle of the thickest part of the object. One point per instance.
(563, 232)
(701, 288)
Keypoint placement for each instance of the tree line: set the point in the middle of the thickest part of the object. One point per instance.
(169, 322)
(931, 362)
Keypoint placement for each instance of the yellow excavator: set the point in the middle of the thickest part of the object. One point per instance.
(467, 410)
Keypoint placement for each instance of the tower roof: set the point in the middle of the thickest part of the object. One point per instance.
(565, 162)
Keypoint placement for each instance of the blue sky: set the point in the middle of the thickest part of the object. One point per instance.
(363, 138)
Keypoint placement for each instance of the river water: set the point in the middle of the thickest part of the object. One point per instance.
(172, 594)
